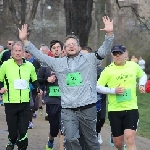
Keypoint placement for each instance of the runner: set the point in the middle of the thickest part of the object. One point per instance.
(126, 58)
(52, 97)
(16, 73)
(120, 76)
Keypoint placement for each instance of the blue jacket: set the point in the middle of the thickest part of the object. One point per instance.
(98, 103)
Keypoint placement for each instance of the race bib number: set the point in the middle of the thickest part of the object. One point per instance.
(54, 91)
(74, 79)
(20, 84)
(126, 96)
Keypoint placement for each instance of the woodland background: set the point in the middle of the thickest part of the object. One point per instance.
(54, 19)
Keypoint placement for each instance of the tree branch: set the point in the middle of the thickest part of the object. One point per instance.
(33, 11)
(139, 18)
(23, 11)
(13, 11)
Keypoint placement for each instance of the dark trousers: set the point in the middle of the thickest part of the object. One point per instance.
(54, 117)
(100, 122)
(17, 118)
(101, 114)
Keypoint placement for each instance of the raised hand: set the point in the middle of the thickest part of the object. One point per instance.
(23, 32)
(108, 24)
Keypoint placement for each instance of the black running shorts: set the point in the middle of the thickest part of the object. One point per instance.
(121, 120)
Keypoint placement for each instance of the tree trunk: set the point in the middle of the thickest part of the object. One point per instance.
(78, 19)
(33, 11)
(23, 11)
(13, 11)
(4, 15)
(99, 13)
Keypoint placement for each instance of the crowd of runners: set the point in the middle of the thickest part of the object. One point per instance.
(73, 85)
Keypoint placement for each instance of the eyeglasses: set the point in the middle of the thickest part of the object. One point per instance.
(117, 53)
(71, 44)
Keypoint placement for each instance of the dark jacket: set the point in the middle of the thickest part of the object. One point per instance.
(5, 57)
(43, 74)
(36, 65)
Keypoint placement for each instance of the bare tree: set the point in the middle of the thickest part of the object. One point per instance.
(141, 19)
(99, 13)
(20, 15)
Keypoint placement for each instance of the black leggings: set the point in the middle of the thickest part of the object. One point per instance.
(100, 122)
(54, 117)
(17, 118)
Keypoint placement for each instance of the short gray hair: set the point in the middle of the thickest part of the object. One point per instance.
(44, 47)
(18, 43)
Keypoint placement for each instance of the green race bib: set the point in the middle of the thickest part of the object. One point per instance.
(126, 96)
(54, 91)
(74, 79)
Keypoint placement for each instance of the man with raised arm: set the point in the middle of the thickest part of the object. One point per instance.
(77, 77)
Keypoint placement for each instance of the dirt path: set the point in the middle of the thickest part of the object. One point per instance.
(38, 135)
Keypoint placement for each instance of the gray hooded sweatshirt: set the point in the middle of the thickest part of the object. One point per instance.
(82, 68)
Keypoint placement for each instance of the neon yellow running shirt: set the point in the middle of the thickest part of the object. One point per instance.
(125, 76)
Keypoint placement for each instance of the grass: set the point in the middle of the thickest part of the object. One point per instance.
(144, 111)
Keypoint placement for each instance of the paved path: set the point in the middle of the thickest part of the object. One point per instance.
(38, 135)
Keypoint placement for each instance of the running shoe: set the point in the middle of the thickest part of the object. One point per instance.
(46, 117)
(34, 115)
(100, 138)
(30, 125)
(111, 142)
(125, 147)
(1, 103)
(9, 146)
(40, 111)
(49, 146)
(43, 102)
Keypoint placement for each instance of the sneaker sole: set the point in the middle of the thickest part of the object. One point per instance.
(47, 148)
(30, 127)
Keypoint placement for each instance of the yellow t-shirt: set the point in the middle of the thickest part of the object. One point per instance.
(125, 76)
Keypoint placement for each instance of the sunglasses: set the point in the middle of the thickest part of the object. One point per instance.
(117, 53)
(26, 52)
(9, 43)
